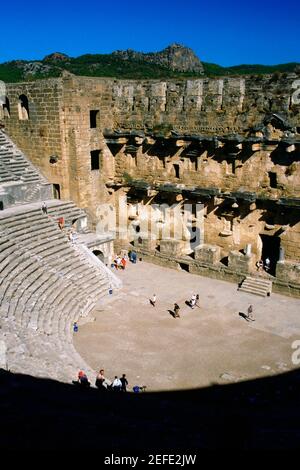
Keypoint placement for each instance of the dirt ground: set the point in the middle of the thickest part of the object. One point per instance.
(206, 345)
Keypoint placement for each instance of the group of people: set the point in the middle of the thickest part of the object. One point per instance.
(102, 383)
(120, 262)
(117, 385)
(71, 234)
(193, 302)
(263, 265)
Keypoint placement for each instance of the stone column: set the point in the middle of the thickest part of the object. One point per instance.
(281, 254)
(248, 249)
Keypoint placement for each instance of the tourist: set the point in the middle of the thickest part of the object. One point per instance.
(267, 264)
(153, 300)
(123, 261)
(124, 382)
(71, 237)
(117, 384)
(75, 327)
(100, 379)
(82, 379)
(118, 262)
(44, 208)
(260, 265)
(197, 300)
(133, 257)
(250, 313)
(61, 222)
(176, 311)
(193, 301)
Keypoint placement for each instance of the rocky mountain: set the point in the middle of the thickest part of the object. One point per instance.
(174, 57)
(175, 61)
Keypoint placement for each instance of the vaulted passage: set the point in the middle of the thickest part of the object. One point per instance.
(270, 249)
(99, 255)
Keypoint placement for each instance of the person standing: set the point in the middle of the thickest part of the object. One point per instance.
(153, 300)
(44, 208)
(124, 382)
(123, 261)
(118, 263)
(250, 313)
(100, 379)
(193, 301)
(267, 264)
(117, 384)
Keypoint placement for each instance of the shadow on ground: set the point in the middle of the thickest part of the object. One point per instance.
(45, 414)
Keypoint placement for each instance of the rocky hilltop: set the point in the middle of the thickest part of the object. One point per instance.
(175, 61)
(174, 57)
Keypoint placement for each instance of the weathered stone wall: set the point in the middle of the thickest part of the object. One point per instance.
(59, 124)
(227, 136)
(41, 135)
(208, 167)
(207, 106)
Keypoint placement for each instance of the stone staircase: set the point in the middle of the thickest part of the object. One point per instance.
(256, 285)
(46, 281)
(14, 166)
(20, 181)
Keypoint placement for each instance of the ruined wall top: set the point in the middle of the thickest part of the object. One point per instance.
(207, 106)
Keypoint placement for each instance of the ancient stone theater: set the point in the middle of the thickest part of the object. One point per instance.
(230, 146)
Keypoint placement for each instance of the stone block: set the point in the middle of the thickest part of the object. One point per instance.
(171, 247)
(241, 263)
(145, 242)
(208, 254)
(288, 271)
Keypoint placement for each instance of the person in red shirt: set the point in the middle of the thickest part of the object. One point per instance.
(123, 261)
(82, 379)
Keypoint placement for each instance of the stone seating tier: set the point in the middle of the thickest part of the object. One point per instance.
(46, 283)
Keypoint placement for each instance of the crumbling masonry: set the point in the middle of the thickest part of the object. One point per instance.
(231, 144)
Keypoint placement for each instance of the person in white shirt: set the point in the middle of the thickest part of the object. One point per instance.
(193, 300)
(117, 384)
(153, 300)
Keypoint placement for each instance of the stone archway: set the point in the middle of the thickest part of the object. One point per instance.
(270, 249)
(99, 255)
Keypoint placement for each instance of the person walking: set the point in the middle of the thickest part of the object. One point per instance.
(153, 300)
(176, 311)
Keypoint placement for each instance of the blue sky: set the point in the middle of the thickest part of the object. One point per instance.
(224, 32)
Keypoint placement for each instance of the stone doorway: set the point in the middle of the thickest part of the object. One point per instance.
(270, 249)
(56, 191)
(99, 255)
